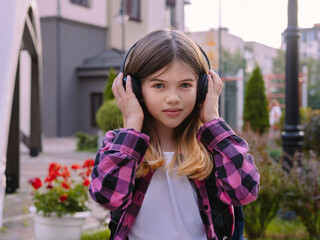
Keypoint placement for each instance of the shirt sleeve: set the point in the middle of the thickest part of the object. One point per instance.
(237, 177)
(115, 166)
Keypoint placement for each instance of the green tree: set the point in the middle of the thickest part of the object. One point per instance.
(313, 66)
(255, 113)
(279, 63)
(109, 115)
(232, 62)
(108, 95)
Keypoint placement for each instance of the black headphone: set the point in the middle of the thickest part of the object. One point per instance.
(136, 88)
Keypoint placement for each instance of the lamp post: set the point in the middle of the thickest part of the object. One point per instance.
(292, 136)
(123, 30)
(222, 96)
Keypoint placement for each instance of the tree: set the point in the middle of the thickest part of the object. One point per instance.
(313, 66)
(108, 95)
(109, 115)
(255, 113)
(232, 62)
(279, 63)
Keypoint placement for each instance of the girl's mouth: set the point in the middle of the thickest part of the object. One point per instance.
(172, 111)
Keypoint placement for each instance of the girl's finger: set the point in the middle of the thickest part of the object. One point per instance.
(210, 84)
(114, 85)
(128, 84)
(119, 85)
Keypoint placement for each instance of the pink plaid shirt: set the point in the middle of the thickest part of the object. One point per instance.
(113, 176)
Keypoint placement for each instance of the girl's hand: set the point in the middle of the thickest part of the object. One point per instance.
(128, 103)
(210, 106)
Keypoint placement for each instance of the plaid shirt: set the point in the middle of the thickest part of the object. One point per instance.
(113, 176)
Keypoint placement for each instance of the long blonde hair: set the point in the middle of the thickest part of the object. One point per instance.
(153, 52)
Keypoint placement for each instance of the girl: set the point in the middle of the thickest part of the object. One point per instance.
(176, 169)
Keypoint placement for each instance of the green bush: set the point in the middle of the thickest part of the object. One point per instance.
(303, 196)
(304, 113)
(108, 95)
(259, 213)
(109, 116)
(280, 228)
(311, 139)
(255, 113)
(86, 142)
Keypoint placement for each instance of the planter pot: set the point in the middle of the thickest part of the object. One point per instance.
(67, 227)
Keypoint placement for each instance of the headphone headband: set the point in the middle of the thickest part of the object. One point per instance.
(130, 49)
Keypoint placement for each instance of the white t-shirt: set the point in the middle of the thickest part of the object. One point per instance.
(169, 210)
(274, 115)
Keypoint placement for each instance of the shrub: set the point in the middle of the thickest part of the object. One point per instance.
(311, 139)
(303, 196)
(86, 141)
(109, 116)
(255, 113)
(259, 213)
(304, 113)
(108, 95)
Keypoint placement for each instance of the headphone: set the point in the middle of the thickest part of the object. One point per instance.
(135, 83)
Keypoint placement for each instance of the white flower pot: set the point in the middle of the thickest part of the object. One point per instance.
(67, 227)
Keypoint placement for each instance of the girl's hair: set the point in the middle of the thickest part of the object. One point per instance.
(153, 52)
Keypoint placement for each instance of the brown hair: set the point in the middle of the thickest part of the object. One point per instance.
(151, 53)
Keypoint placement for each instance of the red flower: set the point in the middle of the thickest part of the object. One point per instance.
(75, 166)
(49, 186)
(88, 172)
(86, 182)
(65, 172)
(63, 198)
(88, 163)
(35, 182)
(51, 177)
(54, 167)
(65, 185)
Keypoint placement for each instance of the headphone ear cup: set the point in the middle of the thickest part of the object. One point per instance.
(135, 84)
(202, 87)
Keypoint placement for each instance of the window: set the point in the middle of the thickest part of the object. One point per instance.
(133, 9)
(85, 3)
(95, 103)
(170, 20)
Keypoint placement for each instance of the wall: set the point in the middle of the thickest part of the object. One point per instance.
(65, 45)
(88, 86)
(94, 15)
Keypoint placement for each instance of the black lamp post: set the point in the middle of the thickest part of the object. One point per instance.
(292, 136)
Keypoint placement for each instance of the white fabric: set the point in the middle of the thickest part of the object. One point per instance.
(169, 210)
(274, 115)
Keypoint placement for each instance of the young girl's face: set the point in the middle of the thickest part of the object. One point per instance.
(170, 94)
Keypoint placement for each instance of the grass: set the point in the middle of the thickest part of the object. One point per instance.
(278, 229)
(286, 230)
(100, 234)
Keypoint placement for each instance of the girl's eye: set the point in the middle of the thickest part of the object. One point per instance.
(158, 85)
(185, 85)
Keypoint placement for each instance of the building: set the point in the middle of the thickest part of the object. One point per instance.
(310, 42)
(81, 39)
(246, 55)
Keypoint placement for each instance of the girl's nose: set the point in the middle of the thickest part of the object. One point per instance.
(172, 98)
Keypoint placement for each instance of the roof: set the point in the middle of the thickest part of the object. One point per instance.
(99, 64)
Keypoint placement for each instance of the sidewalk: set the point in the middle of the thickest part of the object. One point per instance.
(17, 221)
